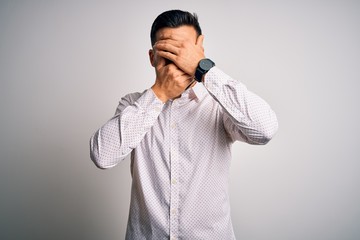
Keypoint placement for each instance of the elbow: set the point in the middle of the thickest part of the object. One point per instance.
(99, 159)
(269, 132)
(259, 140)
(265, 139)
(101, 164)
(266, 133)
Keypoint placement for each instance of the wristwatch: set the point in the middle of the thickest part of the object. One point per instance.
(204, 66)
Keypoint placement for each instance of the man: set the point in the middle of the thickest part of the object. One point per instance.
(179, 133)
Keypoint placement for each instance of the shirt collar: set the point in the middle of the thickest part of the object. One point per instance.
(197, 92)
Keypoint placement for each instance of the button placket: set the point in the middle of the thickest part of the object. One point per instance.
(174, 172)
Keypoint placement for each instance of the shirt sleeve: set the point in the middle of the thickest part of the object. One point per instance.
(247, 117)
(135, 115)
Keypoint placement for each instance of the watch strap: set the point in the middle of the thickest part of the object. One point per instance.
(199, 73)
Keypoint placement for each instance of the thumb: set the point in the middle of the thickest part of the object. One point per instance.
(200, 40)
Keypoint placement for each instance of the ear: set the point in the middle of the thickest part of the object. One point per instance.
(152, 57)
(200, 40)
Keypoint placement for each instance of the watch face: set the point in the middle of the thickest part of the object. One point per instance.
(206, 64)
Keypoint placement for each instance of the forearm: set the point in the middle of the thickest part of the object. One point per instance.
(121, 134)
(247, 116)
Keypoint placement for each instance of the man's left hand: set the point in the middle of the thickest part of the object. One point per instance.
(184, 53)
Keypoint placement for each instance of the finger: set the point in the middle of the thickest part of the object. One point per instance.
(177, 72)
(175, 69)
(177, 36)
(168, 55)
(168, 46)
(191, 83)
(173, 42)
(187, 82)
(200, 40)
(186, 77)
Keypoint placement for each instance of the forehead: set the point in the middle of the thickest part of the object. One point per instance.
(178, 33)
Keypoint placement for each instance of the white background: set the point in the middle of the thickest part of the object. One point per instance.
(64, 65)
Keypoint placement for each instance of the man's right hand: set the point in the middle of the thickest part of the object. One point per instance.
(170, 80)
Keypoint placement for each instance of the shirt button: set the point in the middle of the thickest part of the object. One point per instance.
(173, 211)
(173, 125)
(173, 181)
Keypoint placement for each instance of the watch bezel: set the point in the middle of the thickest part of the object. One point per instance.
(203, 68)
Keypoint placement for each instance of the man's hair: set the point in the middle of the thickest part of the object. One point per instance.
(174, 19)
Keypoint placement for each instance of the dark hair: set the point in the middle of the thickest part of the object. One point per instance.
(174, 19)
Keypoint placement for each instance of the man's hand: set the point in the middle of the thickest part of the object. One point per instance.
(170, 80)
(184, 53)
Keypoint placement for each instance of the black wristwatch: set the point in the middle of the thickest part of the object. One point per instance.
(204, 66)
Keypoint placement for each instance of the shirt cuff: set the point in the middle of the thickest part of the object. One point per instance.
(215, 78)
